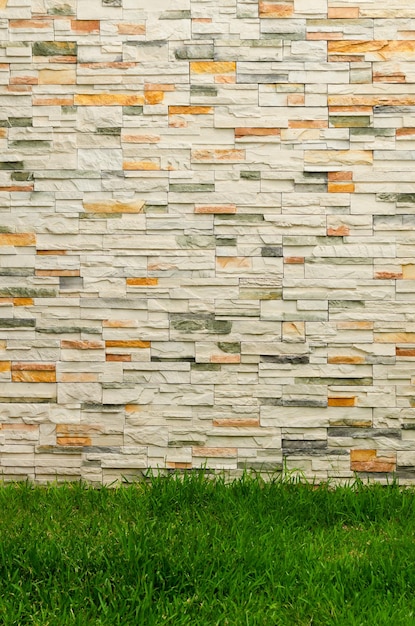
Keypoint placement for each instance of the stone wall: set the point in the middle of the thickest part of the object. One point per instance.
(207, 248)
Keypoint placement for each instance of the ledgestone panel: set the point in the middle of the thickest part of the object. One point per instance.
(206, 249)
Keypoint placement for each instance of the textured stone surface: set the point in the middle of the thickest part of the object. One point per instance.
(206, 249)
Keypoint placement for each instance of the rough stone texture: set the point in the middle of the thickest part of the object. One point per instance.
(206, 248)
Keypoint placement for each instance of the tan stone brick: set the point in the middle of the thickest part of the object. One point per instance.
(125, 28)
(57, 77)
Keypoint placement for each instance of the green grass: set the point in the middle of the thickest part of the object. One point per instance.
(196, 551)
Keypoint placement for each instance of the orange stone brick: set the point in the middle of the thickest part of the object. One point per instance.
(52, 102)
(127, 344)
(31, 366)
(294, 260)
(159, 87)
(28, 24)
(114, 206)
(256, 132)
(131, 29)
(339, 176)
(236, 423)
(353, 360)
(153, 97)
(340, 187)
(343, 13)
(225, 79)
(190, 110)
(178, 465)
(202, 20)
(23, 80)
(213, 67)
(73, 441)
(388, 275)
(214, 452)
(218, 155)
(82, 345)
(405, 132)
(35, 376)
(118, 357)
(406, 352)
(119, 324)
(132, 408)
(51, 252)
(85, 26)
(140, 138)
(275, 9)
(372, 461)
(333, 401)
(63, 59)
(108, 99)
(339, 231)
(140, 166)
(216, 208)
(17, 239)
(142, 282)
(23, 301)
(225, 358)
(20, 188)
(5, 366)
(362, 455)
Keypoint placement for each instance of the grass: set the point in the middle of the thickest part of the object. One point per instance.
(200, 552)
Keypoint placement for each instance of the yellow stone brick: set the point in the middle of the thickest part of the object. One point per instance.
(213, 67)
(108, 99)
(408, 271)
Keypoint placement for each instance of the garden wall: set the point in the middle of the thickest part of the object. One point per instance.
(207, 237)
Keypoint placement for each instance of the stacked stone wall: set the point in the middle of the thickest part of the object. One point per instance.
(207, 248)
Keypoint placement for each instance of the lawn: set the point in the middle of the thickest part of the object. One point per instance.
(197, 551)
